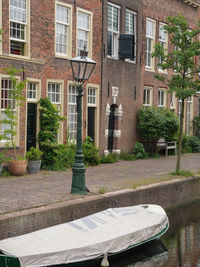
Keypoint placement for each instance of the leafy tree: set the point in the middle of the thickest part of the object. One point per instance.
(184, 80)
(153, 123)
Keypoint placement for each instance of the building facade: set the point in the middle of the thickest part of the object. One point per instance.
(40, 37)
(120, 95)
(155, 93)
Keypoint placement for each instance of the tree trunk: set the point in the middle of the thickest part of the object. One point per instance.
(180, 137)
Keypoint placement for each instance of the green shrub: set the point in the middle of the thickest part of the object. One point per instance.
(196, 126)
(193, 143)
(124, 155)
(139, 151)
(90, 152)
(65, 156)
(47, 137)
(153, 123)
(110, 158)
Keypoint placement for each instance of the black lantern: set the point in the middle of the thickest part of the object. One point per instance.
(82, 67)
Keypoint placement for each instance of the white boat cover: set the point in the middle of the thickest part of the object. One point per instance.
(108, 231)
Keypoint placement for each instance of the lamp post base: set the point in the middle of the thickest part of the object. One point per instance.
(78, 179)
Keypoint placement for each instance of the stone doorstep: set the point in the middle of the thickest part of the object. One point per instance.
(167, 194)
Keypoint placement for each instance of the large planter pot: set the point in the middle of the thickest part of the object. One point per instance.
(17, 167)
(34, 166)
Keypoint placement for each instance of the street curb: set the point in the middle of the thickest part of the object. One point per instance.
(167, 194)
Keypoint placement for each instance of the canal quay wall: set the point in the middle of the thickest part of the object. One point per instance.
(167, 194)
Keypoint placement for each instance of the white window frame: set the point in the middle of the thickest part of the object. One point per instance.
(87, 30)
(162, 98)
(72, 116)
(58, 104)
(150, 39)
(32, 91)
(148, 91)
(172, 101)
(68, 25)
(128, 11)
(179, 108)
(189, 115)
(163, 39)
(2, 142)
(114, 33)
(24, 23)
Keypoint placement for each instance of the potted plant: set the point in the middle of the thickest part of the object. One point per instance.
(17, 165)
(34, 160)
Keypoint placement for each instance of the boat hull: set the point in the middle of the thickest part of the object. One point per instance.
(130, 256)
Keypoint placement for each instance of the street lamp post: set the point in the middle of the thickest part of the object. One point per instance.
(82, 68)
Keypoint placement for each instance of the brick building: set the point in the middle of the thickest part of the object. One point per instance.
(120, 95)
(40, 37)
(155, 93)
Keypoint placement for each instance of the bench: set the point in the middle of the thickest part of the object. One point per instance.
(162, 144)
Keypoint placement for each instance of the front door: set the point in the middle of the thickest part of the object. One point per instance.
(111, 127)
(91, 123)
(31, 125)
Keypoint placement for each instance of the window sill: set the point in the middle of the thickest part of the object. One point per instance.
(149, 69)
(21, 58)
(130, 61)
(115, 58)
(62, 56)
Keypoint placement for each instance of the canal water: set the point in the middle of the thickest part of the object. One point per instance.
(179, 247)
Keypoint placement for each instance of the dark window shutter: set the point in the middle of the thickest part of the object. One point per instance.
(126, 46)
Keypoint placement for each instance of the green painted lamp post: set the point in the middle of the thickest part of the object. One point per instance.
(82, 68)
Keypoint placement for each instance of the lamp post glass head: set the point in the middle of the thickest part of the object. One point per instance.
(82, 67)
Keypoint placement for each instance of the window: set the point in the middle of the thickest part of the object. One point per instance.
(32, 91)
(84, 32)
(113, 30)
(54, 92)
(92, 96)
(72, 113)
(172, 100)
(147, 100)
(162, 41)
(150, 40)
(130, 27)
(92, 113)
(189, 115)
(18, 27)
(179, 109)
(161, 98)
(6, 101)
(63, 31)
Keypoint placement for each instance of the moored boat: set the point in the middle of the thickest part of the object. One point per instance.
(100, 235)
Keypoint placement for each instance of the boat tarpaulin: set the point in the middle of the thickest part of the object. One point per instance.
(109, 231)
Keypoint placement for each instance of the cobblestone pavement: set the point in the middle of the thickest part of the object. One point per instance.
(17, 193)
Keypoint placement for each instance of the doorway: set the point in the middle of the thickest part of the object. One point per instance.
(31, 125)
(111, 127)
(91, 123)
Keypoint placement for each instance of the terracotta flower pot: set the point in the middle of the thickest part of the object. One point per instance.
(17, 167)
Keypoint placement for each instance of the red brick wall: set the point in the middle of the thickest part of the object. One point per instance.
(158, 10)
(44, 65)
